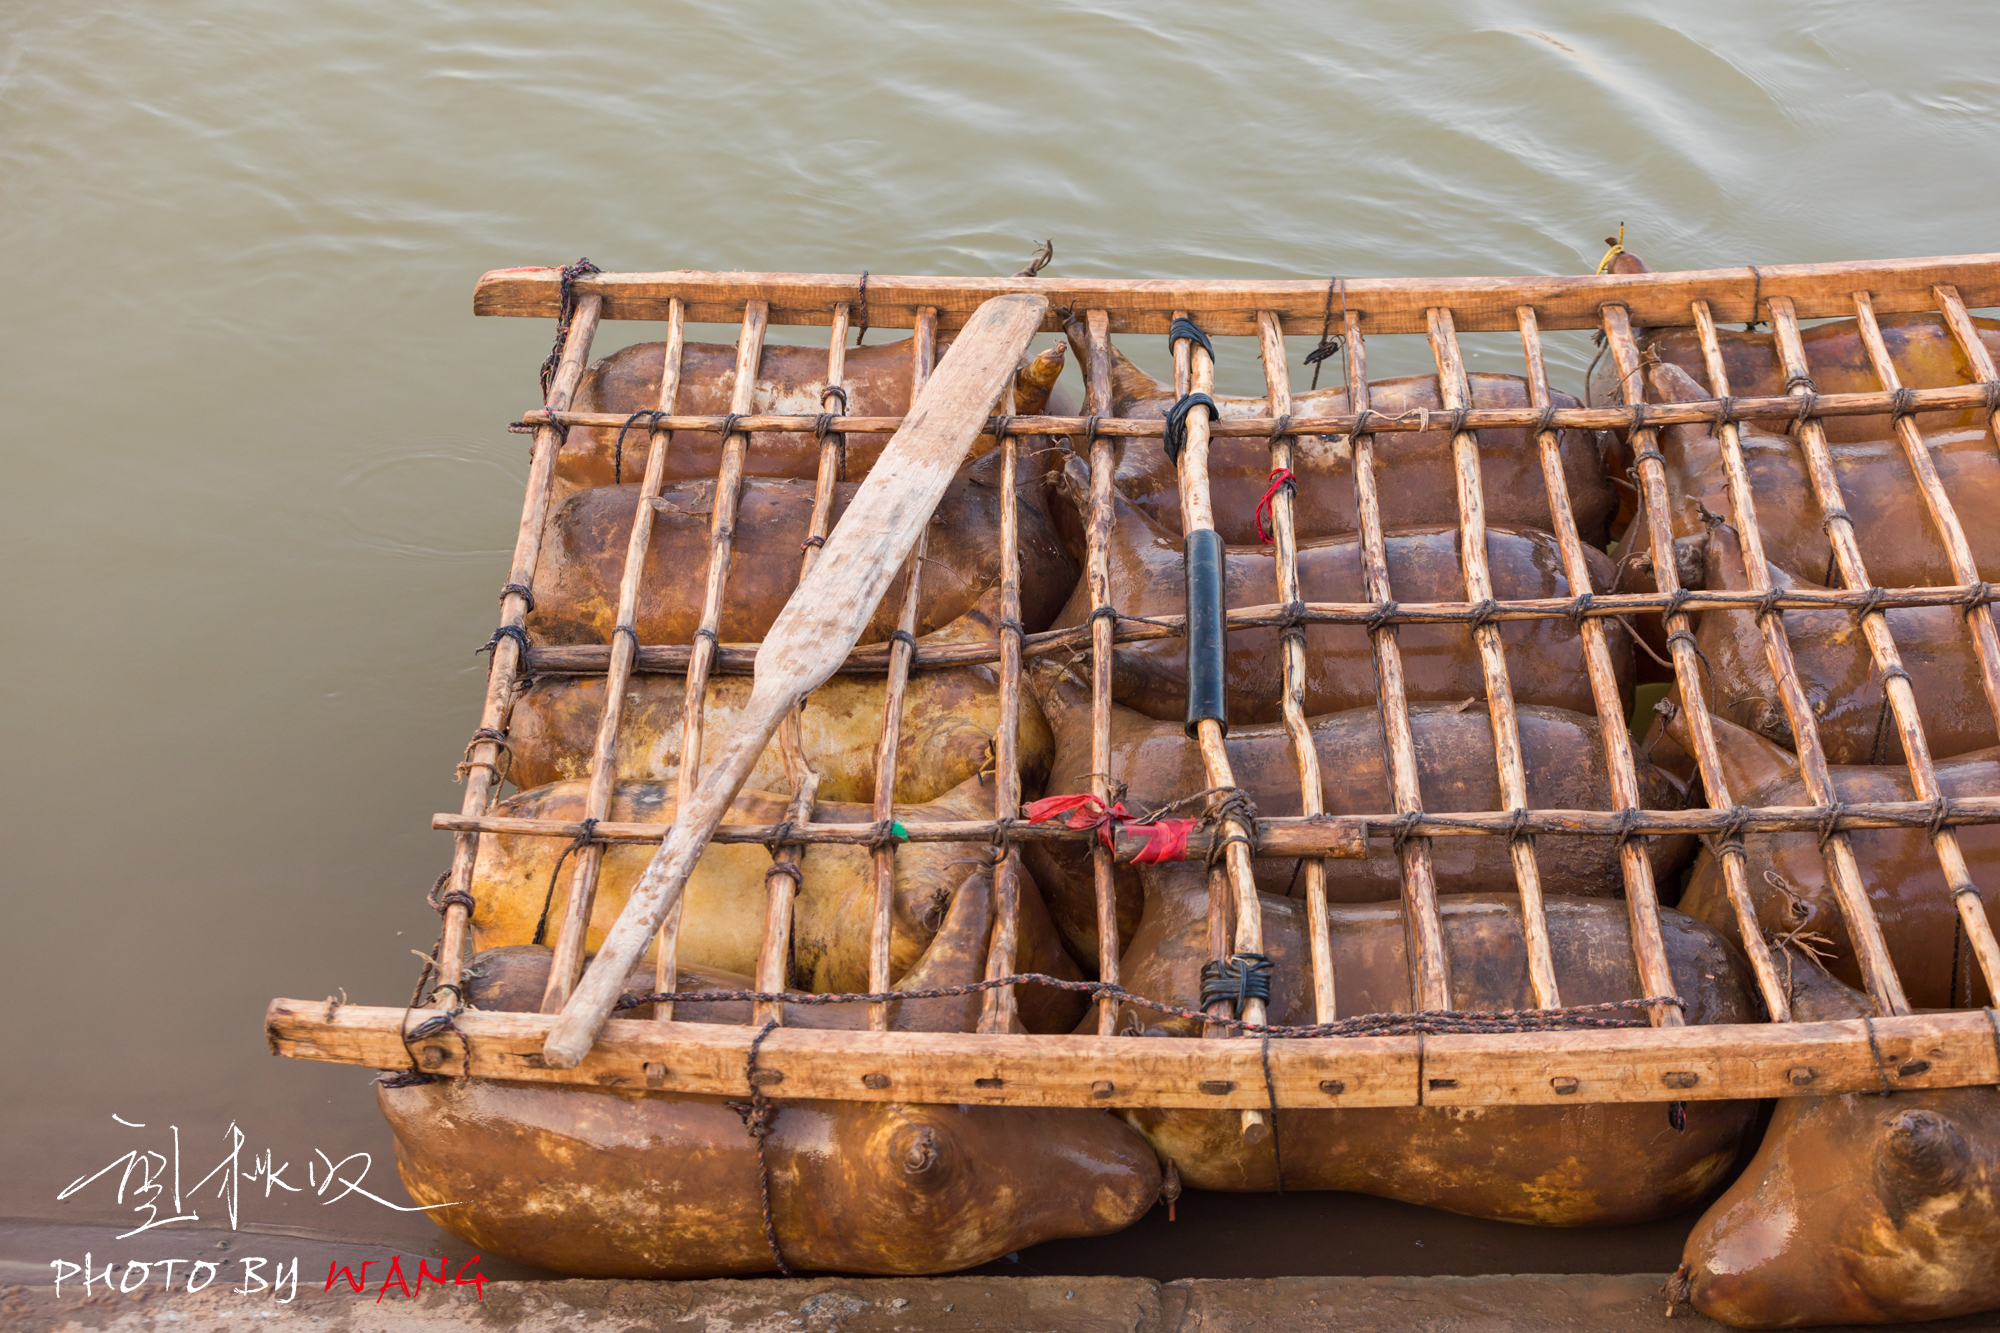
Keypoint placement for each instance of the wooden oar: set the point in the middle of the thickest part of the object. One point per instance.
(817, 629)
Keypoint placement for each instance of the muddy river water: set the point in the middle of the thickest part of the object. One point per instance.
(258, 491)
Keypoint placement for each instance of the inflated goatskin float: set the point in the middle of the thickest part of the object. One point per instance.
(1562, 752)
(790, 380)
(1440, 663)
(1864, 1208)
(949, 720)
(1419, 485)
(1836, 672)
(722, 918)
(638, 1184)
(1589, 1165)
(583, 559)
(1902, 876)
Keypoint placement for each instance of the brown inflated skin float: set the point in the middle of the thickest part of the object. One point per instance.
(1440, 663)
(722, 920)
(1419, 484)
(1859, 1209)
(950, 717)
(790, 380)
(1590, 1165)
(583, 559)
(949, 721)
(632, 1184)
(617, 1184)
(1891, 523)
(1912, 900)
(1836, 672)
(1562, 752)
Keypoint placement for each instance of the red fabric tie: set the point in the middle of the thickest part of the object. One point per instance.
(1166, 840)
(1280, 478)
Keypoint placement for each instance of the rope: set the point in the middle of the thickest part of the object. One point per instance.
(1173, 436)
(861, 304)
(586, 835)
(758, 1114)
(618, 448)
(1236, 980)
(1329, 343)
(1282, 479)
(1881, 1068)
(522, 590)
(504, 754)
(1271, 1096)
(1186, 330)
(514, 632)
(1617, 244)
(566, 311)
(1433, 1022)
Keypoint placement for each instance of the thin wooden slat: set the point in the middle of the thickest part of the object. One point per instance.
(997, 1014)
(1390, 305)
(1896, 683)
(1736, 1062)
(1455, 392)
(1842, 871)
(1097, 571)
(873, 659)
(774, 953)
(1423, 927)
(900, 655)
(1966, 335)
(482, 757)
(1305, 755)
(1778, 407)
(1287, 837)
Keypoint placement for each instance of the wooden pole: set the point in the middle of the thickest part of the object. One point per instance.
(1305, 755)
(482, 757)
(1966, 334)
(1103, 631)
(1842, 871)
(1455, 392)
(774, 956)
(1430, 976)
(1194, 372)
(998, 1012)
(901, 653)
(820, 622)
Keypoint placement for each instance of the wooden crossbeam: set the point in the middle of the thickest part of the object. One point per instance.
(1939, 1050)
(1145, 305)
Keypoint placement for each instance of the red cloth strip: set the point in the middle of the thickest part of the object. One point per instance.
(1165, 841)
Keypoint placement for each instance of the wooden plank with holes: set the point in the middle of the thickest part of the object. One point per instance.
(1144, 305)
(1636, 1064)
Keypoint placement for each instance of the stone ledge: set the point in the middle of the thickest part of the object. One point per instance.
(1498, 1304)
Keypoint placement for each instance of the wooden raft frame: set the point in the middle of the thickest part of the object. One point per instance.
(1663, 1062)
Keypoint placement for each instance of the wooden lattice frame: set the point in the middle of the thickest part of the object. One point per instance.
(1664, 1062)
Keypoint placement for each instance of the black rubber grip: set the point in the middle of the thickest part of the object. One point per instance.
(1207, 645)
